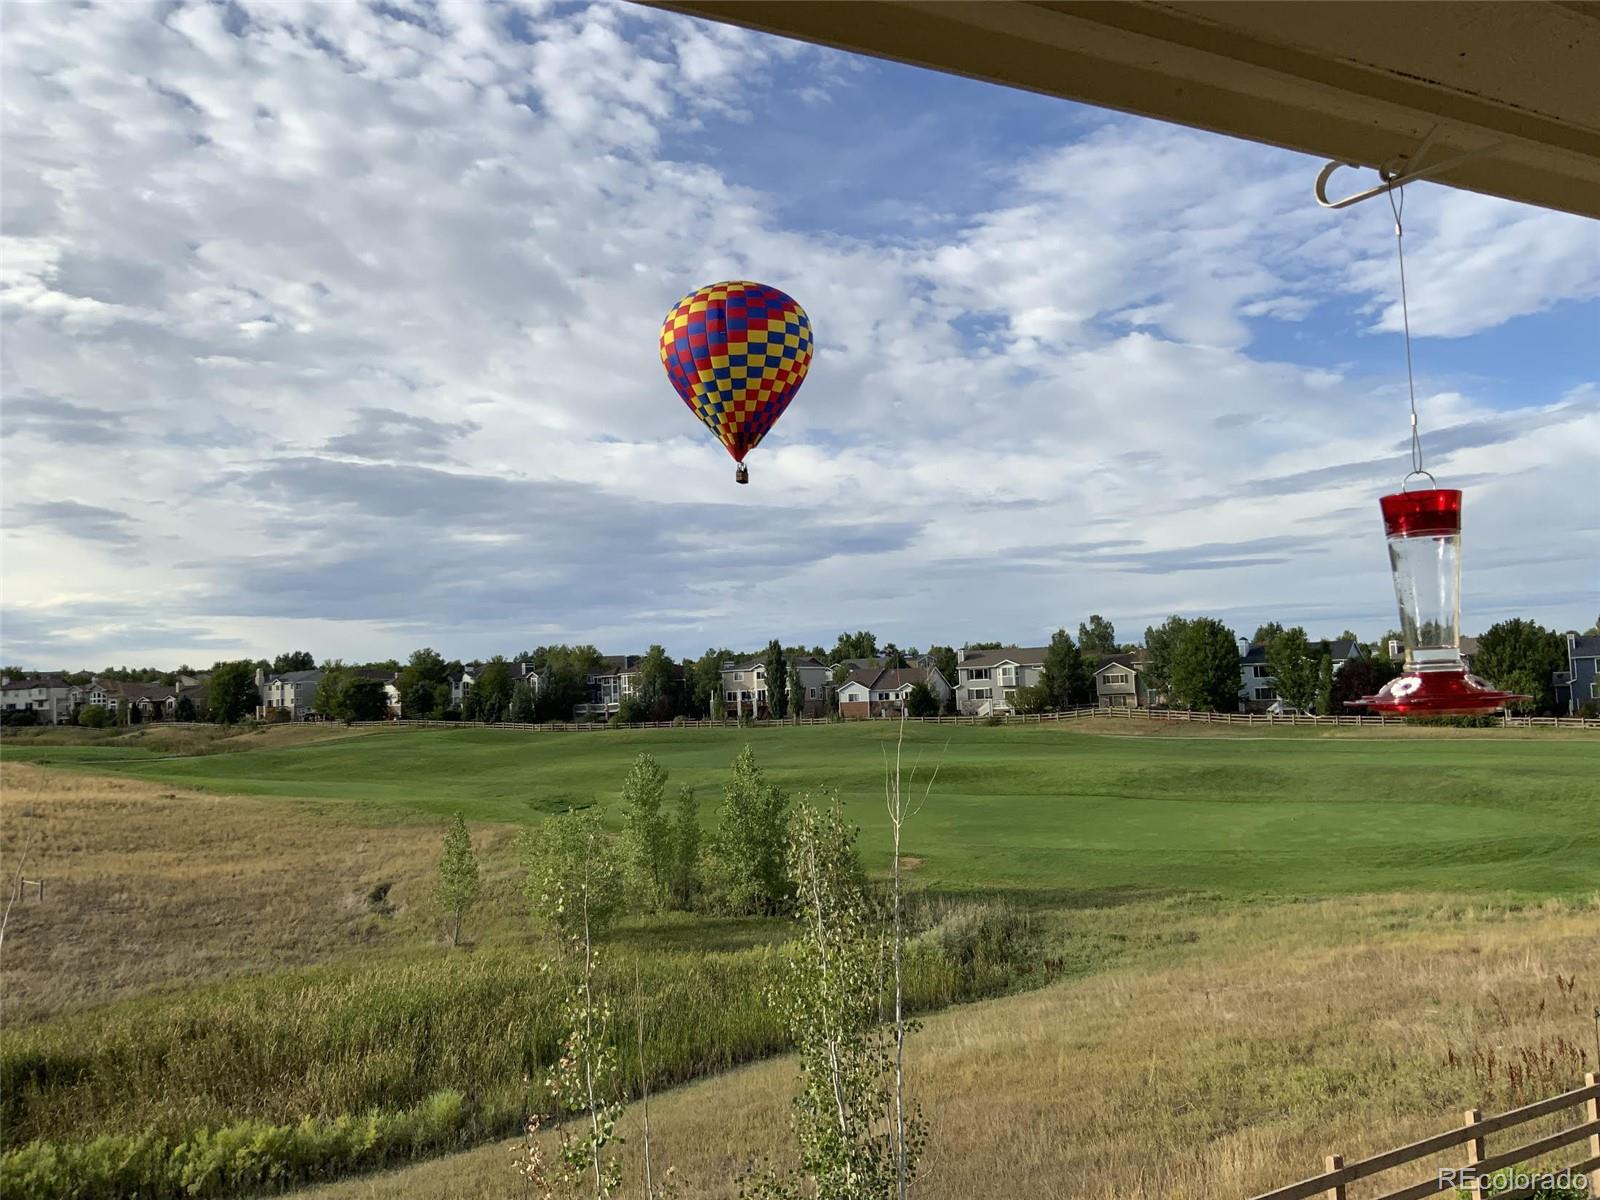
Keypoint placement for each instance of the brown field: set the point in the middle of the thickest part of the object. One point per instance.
(150, 888)
(1345, 1026)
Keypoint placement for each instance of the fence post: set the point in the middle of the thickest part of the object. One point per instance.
(1334, 1162)
(1592, 1111)
(1477, 1188)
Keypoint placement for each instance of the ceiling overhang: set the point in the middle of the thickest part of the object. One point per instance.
(1514, 87)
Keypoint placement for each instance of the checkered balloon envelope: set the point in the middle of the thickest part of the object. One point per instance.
(737, 352)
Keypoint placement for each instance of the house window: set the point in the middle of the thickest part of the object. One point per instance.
(1594, 690)
(1258, 672)
(978, 673)
(731, 696)
(738, 676)
(1266, 693)
(1117, 678)
(812, 692)
(1009, 693)
(979, 693)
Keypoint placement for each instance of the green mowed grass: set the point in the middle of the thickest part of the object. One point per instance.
(1053, 811)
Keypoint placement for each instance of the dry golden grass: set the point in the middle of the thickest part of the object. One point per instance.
(148, 887)
(1301, 1030)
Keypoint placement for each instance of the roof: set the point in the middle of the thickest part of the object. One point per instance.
(46, 681)
(1025, 656)
(296, 677)
(1131, 660)
(880, 679)
(1585, 646)
(1469, 646)
(1504, 81)
(1338, 648)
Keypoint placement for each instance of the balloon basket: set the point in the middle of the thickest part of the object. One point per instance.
(741, 474)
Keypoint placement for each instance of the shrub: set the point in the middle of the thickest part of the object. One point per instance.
(1478, 721)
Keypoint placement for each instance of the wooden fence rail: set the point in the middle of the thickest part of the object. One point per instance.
(1473, 1174)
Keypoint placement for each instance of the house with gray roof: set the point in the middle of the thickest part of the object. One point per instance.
(987, 680)
(883, 691)
(744, 686)
(1258, 690)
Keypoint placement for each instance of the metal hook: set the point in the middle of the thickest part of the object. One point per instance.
(1404, 482)
(1397, 172)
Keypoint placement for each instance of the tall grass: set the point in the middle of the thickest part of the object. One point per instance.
(281, 1061)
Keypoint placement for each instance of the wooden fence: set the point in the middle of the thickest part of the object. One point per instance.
(1472, 1175)
(1087, 713)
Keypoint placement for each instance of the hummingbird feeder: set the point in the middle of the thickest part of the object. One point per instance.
(1424, 532)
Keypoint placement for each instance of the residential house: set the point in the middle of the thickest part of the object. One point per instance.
(986, 680)
(883, 691)
(293, 692)
(1579, 684)
(49, 697)
(1468, 647)
(1257, 688)
(616, 676)
(744, 686)
(522, 671)
(1119, 681)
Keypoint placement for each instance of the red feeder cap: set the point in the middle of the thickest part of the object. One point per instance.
(1418, 514)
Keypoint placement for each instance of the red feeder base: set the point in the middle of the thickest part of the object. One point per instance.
(1436, 694)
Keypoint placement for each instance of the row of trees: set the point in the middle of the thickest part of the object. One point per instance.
(858, 1132)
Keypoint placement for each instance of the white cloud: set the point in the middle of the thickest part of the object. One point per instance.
(316, 297)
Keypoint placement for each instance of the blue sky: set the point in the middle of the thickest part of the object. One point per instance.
(334, 327)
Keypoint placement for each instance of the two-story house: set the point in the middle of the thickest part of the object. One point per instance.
(461, 682)
(292, 691)
(1119, 681)
(1579, 684)
(1258, 690)
(883, 691)
(744, 687)
(616, 676)
(986, 680)
(49, 697)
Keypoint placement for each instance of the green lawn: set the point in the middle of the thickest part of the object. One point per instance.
(1041, 808)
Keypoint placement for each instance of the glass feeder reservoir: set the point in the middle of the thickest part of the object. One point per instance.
(1424, 532)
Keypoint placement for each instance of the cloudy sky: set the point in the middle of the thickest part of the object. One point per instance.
(334, 327)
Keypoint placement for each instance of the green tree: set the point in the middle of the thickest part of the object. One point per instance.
(703, 679)
(575, 885)
(921, 702)
(1522, 656)
(1066, 677)
(95, 716)
(1032, 698)
(646, 832)
(1325, 682)
(797, 689)
(1160, 641)
(631, 710)
(1205, 666)
(683, 882)
(566, 679)
(419, 682)
(777, 681)
(293, 660)
(1096, 639)
(748, 848)
(365, 699)
(657, 688)
(524, 703)
(231, 693)
(944, 657)
(1360, 677)
(828, 992)
(184, 709)
(861, 644)
(719, 706)
(1266, 634)
(893, 657)
(491, 690)
(1293, 667)
(329, 701)
(458, 876)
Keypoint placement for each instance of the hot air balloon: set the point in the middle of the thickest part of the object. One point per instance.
(737, 352)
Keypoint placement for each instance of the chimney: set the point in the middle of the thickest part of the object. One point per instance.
(1244, 647)
(961, 655)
